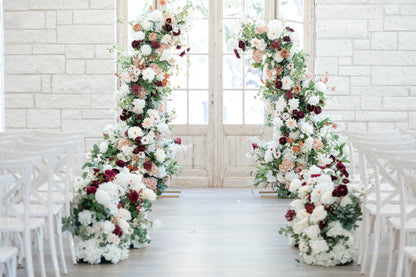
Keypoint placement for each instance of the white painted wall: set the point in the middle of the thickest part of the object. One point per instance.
(368, 48)
(59, 75)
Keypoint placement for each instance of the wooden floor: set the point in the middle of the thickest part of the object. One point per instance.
(217, 232)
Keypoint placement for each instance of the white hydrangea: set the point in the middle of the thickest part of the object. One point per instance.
(313, 231)
(103, 147)
(86, 217)
(318, 214)
(293, 103)
(146, 50)
(108, 227)
(112, 253)
(318, 246)
(147, 25)
(138, 35)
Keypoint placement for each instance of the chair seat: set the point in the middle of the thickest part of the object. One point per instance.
(57, 196)
(7, 253)
(410, 224)
(38, 210)
(371, 198)
(13, 224)
(410, 252)
(388, 210)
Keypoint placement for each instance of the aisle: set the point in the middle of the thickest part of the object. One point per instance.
(217, 232)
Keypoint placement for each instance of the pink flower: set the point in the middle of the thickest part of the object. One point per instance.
(122, 143)
(150, 183)
(286, 165)
(262, 29)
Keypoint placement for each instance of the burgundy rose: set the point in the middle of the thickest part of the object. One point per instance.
(177, 33)
(182, 54)
(340, 166)
(289, 94)
(159, 83)
(96, 170)
(289, 29)
(135, 44)
(254, 145)
(123, 117)
(310, 207)
(155, 44)
(116, 171)
(136, 151)
(340, 191)
(91, 189)
(301, 114)
(178, 141)
(134, 196)
(117, 231)
(120, 163)
(140, 117)
(237, 54)
(148, 165)
(287, 135)
(282, 140)
(303, 184)
(95, 183)
(317, 110)
(136, 89)
(138, 140)
(109, 175)
(242, 45)
(141, 148)
(275, 44)
(168, 20)
(286, 38)
(168, 28)
(279, 84)
(310, 108)
(290, 215)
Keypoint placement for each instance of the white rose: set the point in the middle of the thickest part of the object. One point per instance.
(318, 246)
(313, 231)
(102, 197)
(103, 147)
(138, 105)
(146, 50)
(107, 129)
(160, 155)
(327, 198)
(287, 83)
(138, 35)
(320, 86)
(313, 100)
(148, 74)
(135, 132)
(346, 200)
(318, 214)
(148, 194)
(295, 185)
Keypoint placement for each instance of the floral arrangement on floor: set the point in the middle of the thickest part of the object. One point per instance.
(305, 159)
(127, 170)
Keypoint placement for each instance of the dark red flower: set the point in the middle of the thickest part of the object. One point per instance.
(275, 45)
(159, 83)
(135, 44)
(242, 45)
(148, 165)
(96, 170)
(178, 141)
(310, 108)
(119, 205)
(177, 33)
(282, 140)
(317, 110)
(136, 151)
(95, 183)
(289, 94)
(117, 231)
(138, 140)
(310, 207)
(334, 178)
(303, 184)
(168, 28)
(237, 54)
(141, 148)
(111, 159)
(279, 84)
(91, 189)
(301, 114)
(136, 89)
(123, 117)
(188, 49)
(290, 215)
(109, 175)
(321, 224)
(182, 54)
(340, 191)
(289, 29)
(120, 163)
(315, 175)
(340, 166)
(134, 196)
(155, 44)
(168, 20)
(178, 47)
(254, 145)
(116, 171)
(286, 38)
(345, 181)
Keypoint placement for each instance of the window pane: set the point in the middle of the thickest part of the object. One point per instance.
(198, 37)
(232, 72)
(198, 71)
(230, 27)
(178, 101)
(179, 80)
(255, 8)
(198, 107)
(137, 7)
(233, 107)
(253, 108)
(252, 77)
(291, 9)
(232, 8)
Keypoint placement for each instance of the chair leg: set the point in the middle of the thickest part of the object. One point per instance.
(362, 239)
(28, 254)
(52, 244)
(60, 242)
(392, 244)
(72, 247)
(377, 238)
(400, 261)
(39, 234)
(13, 271)
(367, 239)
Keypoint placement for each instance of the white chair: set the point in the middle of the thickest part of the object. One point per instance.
(386, 195)
(41, 206)
(8, 255)
(14, 223)
(62, 193)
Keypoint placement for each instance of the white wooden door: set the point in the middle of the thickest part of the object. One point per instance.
(214, 94)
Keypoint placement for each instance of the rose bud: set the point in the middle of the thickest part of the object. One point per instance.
(254, 145)
(279, 84)
(286, 38)
(242, 45)
(91, 189)
(178, 141)
(289, 29)
(182, 54)
(237, 54)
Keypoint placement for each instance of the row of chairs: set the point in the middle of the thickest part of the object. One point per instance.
(37, 170)
(385, 165)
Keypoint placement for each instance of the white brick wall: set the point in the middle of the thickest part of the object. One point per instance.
(59, 74)
(368, 48)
